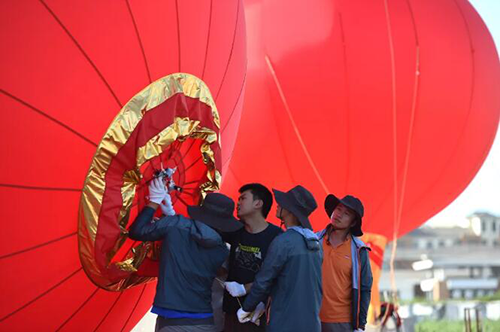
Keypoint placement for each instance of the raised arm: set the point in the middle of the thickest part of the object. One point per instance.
(145, 229)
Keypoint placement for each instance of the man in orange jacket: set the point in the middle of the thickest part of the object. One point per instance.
(346, 272)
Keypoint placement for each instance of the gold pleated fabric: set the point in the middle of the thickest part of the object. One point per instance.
(110, 185)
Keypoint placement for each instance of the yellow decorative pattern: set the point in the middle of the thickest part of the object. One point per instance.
(115, 138)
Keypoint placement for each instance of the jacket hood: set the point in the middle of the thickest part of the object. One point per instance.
(310, 238)
(204, 235)
(360, 244)
(357, 242)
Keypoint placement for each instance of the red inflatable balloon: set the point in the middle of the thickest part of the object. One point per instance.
(393, 101)
(171, 128)
(67, 68)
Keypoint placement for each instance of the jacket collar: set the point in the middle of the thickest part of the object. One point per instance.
(357, 242)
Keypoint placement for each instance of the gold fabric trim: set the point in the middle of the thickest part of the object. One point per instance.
(115, 138)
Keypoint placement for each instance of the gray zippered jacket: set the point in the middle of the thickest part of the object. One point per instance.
(291, 275)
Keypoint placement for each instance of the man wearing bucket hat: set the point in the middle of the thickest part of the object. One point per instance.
(347, 276)
(192, 251)
(291, 272)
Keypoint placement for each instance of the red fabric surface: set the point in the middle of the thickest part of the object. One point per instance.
(153, 122)
(395, 104)
(70, 67)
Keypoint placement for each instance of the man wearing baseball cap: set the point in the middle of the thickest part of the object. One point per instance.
(347, 276)
(291, 272)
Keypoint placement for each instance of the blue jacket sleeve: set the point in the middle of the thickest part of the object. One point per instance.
(270, 270)
(366, 287)
(144, 229)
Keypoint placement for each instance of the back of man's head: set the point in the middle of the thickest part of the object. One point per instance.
(259, 191)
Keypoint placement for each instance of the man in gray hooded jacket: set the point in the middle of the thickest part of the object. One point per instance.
(291, 272)
(191, 253)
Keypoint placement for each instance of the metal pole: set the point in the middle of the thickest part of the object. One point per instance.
(479, 326)
(468, 327)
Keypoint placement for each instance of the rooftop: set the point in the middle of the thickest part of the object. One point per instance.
(428, 232)
(464, 255)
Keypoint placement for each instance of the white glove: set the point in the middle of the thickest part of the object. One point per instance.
(157, 190)
(259, 311)
(359, 330)
(166, 206)
(243, 316)
(235, 289)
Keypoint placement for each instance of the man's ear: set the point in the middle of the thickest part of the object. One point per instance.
(354, 222)
(258, 203)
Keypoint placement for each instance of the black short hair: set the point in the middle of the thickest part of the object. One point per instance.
(259, 191)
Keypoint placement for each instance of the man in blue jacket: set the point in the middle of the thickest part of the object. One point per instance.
(192, 251)
(347, 276)
(291, 272)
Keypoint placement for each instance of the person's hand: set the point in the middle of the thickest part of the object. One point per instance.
(166, 206)
(359, 330)
(235, 289)
(157, 191)
(243, 316)
(257, 313)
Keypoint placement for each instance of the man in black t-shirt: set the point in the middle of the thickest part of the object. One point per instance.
(249, 247)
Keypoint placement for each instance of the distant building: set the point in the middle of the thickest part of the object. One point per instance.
(487, 227)
(426, 238)
(452, 262)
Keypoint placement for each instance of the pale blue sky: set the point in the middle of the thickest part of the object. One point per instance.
(483, 193)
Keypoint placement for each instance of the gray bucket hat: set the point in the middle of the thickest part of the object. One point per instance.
(351, 202)
(299, 201)
(216, 211)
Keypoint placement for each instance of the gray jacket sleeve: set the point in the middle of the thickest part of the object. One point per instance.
(366, 287)
(270, 270)
(143, 229)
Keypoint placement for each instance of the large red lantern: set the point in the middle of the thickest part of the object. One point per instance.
(67, 70)
(394, 101)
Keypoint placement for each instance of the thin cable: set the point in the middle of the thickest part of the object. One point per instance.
(465, 121)
(230, 169)
(394, 146)
(133, 309)
(193, 163)
(193, 140)
(18, 186)
(412, 119)
(182, 201)
(348, 105)
(78, 310)
(139, 39)
(294, 125)
(24, 306)
(232, 48)
(85, 55)
(178, 32)
(65, 126)
(224, 287)
(37, 246)
(109, 311)
(190, 182)
(237, 101)
(208, 41)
